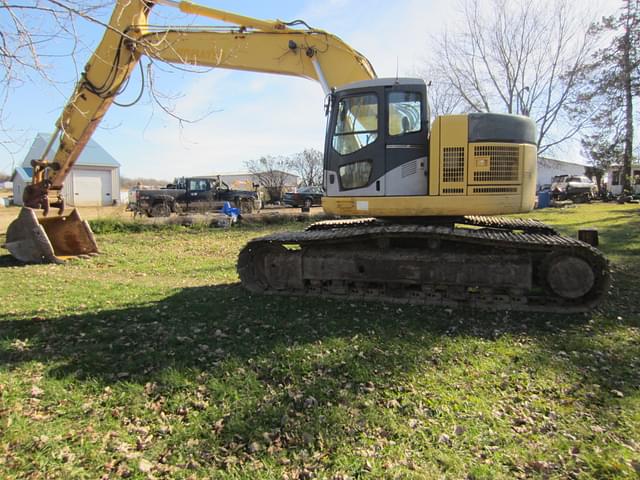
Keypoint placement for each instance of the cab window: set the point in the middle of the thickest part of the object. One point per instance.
(405, 113)
(198, 185)
(356, 174)
(356, 123)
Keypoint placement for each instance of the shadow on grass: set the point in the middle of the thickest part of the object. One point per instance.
(269, 361)
(220, 329)
(9, 261)
(195, 327)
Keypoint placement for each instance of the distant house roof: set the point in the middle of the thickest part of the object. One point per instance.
(24, 173)
(554, 161)
(92, 155)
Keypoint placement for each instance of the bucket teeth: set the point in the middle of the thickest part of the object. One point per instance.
(49, 240)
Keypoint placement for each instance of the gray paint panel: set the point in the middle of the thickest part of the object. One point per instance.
(498, 127)
(408, 179)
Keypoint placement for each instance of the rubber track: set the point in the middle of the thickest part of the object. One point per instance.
(526, 243)
(526, 225)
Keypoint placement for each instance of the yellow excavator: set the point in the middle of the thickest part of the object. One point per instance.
(425, 195)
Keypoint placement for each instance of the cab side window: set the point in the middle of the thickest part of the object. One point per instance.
(405, 113)
(357, 123)
(198, 185)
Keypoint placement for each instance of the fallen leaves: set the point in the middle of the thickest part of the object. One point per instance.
(145, 465)
(36, 392)
(20, 345)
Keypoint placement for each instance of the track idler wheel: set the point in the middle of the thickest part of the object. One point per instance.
(269, 267)
(568, 276)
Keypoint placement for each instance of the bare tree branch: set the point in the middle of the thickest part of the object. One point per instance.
(515, 57)
(308, 166)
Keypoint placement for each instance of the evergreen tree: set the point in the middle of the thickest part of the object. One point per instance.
(609, 85)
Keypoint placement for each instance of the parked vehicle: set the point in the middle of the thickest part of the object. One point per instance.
(573, 187)
(304, 197)
(194, 194)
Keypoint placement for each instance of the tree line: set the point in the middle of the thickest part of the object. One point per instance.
(272, 171)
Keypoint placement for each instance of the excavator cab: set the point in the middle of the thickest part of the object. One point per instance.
(377, 139)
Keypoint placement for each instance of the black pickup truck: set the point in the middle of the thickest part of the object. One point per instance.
(194, 195)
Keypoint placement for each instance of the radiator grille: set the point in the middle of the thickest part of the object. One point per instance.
(453, 164)
(503, 163)
(495, 189)
(452, 191)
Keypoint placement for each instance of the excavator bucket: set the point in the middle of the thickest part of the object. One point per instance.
(49, 240)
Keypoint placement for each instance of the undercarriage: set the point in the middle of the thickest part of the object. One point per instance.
(485, 262)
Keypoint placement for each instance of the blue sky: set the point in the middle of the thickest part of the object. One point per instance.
(249, 114)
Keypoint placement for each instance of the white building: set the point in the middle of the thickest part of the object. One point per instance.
(614, 180)
(94, 179)
(550, 167)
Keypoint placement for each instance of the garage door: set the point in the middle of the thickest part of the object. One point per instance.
(92, 187)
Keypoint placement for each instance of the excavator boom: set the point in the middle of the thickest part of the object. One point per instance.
(294, 53)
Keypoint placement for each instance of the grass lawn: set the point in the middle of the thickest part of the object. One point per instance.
(150, 361)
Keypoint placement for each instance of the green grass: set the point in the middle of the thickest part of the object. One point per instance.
(196, 222)
(150, 361)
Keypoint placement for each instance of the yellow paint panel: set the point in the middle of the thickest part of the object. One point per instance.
(434, 158)
(453, 154)
(423, 205)
(529, 176)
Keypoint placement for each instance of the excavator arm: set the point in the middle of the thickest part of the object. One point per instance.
(105, 72)
(253, 45)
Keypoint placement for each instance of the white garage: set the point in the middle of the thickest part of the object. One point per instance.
(94, 180)
(92, 187)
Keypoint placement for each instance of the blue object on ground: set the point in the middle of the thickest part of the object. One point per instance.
(230, 211)
(544, 199)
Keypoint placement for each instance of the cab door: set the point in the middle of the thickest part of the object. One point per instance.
(407, 127)
(198, 194)
(355, 147)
